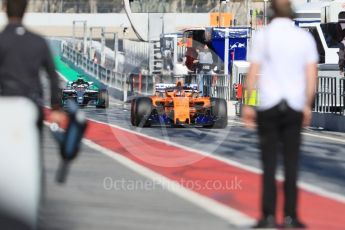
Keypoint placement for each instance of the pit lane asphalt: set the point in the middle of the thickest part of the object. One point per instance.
(86, 201)
(322, 160)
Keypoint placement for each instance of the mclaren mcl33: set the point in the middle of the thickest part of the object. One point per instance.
(179, 105)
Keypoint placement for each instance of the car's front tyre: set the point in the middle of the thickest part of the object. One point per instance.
(141, 111)
(219, 111)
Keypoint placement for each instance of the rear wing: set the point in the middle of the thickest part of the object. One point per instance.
(162, 87)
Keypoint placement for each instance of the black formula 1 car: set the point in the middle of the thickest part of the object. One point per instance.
(85, 93)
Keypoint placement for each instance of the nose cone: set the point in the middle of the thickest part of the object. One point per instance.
(80, 97)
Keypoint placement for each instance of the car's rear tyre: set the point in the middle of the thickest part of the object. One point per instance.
(219, 110)
(143, 110)
(103, 99)
(62, 103)
(133, 112)
(62, 99)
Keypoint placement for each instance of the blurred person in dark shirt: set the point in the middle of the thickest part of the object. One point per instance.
(22, 55)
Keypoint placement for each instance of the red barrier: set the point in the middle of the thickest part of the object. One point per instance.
(239, 91)
(140, 82)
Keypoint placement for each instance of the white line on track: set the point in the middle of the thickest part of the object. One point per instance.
(228, 214)
(324, 137)
(305, 134)
(307, 187)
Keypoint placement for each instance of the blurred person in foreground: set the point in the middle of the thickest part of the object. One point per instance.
(284, 68)
(23, 55)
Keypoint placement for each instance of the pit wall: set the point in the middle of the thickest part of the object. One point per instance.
(328, 121)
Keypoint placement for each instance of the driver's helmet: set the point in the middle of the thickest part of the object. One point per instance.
(179, 92)
(179, 84)
(80, 81)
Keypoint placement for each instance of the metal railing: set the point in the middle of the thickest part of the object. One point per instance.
(137, 53)
(329, 95)
(326, 95)
(213, 85)
(217, 86)
(130, 84)
(141, 84)
(342, 96)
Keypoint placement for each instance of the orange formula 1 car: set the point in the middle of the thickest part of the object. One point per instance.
(176, 105)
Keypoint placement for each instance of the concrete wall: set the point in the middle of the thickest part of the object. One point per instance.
(60, 25)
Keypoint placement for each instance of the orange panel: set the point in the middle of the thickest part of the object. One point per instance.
(225, 19)
(181, 109)
(189, 42)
